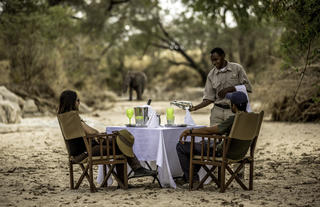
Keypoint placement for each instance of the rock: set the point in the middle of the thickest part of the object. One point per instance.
(10, 106)
(5, 94)
(10, 112)
(84, 108)
(30, 107)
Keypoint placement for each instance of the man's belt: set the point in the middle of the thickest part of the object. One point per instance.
(222, 106)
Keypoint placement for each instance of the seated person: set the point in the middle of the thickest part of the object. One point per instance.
(69, 101)
(239, 102)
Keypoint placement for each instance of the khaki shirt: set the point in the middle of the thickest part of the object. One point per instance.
(224, 128)
(217, 80)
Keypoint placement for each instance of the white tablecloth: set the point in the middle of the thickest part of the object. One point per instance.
(156, 144)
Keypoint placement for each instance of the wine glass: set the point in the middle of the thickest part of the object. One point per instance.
(129, 113)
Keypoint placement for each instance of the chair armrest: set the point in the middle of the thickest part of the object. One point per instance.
(102, 135)
(216, 136)
(209, 146)
(106, 144)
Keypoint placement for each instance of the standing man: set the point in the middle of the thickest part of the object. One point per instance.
(221, 80)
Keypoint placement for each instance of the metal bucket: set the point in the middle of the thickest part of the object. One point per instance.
(141, 115)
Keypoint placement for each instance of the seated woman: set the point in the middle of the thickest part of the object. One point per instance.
(69, 101)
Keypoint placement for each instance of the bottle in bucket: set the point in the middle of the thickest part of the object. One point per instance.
(141, 115)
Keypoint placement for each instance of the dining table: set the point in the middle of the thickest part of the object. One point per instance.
(158, 145)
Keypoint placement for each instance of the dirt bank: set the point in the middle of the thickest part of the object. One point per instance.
(34, 169)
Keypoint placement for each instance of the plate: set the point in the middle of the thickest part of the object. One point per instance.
(175, 125)
(134, 125)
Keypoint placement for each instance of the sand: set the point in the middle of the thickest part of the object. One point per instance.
(34, 170)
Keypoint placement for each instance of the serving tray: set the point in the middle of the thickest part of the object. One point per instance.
(134, 125)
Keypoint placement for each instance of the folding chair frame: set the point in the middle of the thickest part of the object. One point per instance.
(222, 163)
(106, 157)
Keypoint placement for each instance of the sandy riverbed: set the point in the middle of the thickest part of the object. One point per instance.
(34, 170)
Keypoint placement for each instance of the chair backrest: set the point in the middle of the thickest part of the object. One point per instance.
(70, 125)
(260, 122)
(245, 129)
(71, 128)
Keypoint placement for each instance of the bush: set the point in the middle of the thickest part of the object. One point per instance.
(180, 77)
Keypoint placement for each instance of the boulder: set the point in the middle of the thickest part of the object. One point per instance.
(5, 94)
(10, 112)
(30, 107)
(84, 108)
(10, 106)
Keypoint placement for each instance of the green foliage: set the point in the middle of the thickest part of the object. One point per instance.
(248, 42)
(181, 77)
(301, 19)
(79, 43)
(31, 50)
(241, 10)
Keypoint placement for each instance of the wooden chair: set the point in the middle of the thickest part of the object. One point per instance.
(71, 128)
(243, 135)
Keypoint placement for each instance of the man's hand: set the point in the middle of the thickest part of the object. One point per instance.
(224, 91)
(192, 109)
(204, 103)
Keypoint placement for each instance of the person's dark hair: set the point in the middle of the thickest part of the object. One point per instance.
(241, 107)
(217, 50)
(67, 102)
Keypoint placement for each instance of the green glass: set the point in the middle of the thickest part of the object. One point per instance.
(170, 119)
(170, 112)
(129, 113)
(170, 116)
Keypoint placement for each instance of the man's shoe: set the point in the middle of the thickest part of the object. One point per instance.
(196, 182)
(180, 181)
(142, 172)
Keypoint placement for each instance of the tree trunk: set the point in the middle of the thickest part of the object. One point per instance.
(242, 48)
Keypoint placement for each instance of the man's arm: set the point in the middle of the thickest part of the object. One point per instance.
(244, 80)
(208, 95)
(206, 130)
(204, 103)
(203, 130)
(224, 91)
(222, 128)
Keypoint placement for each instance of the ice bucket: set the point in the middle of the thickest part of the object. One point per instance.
(141, 115)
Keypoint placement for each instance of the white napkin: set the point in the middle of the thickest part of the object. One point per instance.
(243, 89)
(153, 121)
(188, 119)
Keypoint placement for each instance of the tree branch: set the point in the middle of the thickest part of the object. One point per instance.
(160, 46)
(178, 63)
(113, 2)
(174, 45)
(304, 70)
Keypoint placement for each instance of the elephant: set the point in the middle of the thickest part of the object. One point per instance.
(135, 80)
